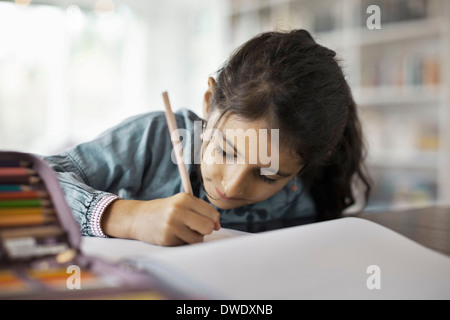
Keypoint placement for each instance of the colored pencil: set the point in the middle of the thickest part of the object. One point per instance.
(10, 283)
(16, 172)
(25, 211)
(24, 203)
(57, 278)
(15, 195)
(36, 250)
(22, 220)
(14, 163)
(54, 274)
(15, 187)
(18, 176)
(37, 231)
(19, 179)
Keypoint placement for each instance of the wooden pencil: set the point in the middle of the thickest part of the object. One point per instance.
(24, 203)
(27, 180)
(25, 211)
(15, 187)
(35, 231)
(15, 195)
(16, 172)
(23, 220)
(14, 163)
(172, 124)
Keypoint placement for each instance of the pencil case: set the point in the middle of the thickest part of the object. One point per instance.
(40, 255)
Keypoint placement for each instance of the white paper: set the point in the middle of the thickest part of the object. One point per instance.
(327, 260)
(115, 250)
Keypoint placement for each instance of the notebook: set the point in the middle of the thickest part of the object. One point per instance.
(349, 258)
(40, 256)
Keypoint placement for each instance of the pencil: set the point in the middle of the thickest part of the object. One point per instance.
(16, 195)
(14, 163)
(25, 211)
(38, 232)
(19, 180)
(18, 175)
(172, 124)
(14, 187)
(24, 203)
(22, 220)
(15, 172)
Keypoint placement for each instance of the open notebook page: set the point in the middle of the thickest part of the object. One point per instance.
(327, 260)
(116, 250)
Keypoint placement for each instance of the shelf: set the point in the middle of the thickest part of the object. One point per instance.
(251, 7)
(397, 32)
(389, 33)
(376, 207)
(404, 159)
(393, 95)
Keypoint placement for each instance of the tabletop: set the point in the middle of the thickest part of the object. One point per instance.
(429, 226)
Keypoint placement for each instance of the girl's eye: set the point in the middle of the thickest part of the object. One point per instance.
(220, 150)
(223, 152)
(267, 180)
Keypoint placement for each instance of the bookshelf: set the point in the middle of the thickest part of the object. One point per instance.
(399, 78)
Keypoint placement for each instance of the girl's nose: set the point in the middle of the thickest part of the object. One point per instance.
(234, 182)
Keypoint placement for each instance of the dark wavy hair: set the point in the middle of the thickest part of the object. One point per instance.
(299, 85)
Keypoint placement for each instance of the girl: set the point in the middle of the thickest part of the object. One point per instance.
(124, 183)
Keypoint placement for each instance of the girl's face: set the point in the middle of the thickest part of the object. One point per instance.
(232, 163)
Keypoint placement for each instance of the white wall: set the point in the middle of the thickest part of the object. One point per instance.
(67, 73)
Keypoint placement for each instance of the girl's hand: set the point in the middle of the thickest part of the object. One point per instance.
(176, 220)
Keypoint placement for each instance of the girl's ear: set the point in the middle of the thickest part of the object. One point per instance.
(208, 97)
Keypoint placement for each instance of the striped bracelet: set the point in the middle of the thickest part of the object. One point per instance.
(98, 213)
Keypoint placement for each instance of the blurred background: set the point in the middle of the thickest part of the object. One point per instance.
(71, 69)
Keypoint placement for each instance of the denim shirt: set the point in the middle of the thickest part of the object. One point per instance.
(133, 161)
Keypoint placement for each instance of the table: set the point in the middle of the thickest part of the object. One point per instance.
(429, 226)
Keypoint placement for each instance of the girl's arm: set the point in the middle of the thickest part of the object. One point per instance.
(176, 220)
(125, 160)
(99, 169)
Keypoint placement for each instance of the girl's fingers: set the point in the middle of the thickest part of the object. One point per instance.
(199, 223)
(176, 241)
(204, 209)
(189, 236)
(187, 219)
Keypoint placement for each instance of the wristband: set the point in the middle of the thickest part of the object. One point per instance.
(98, 213)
